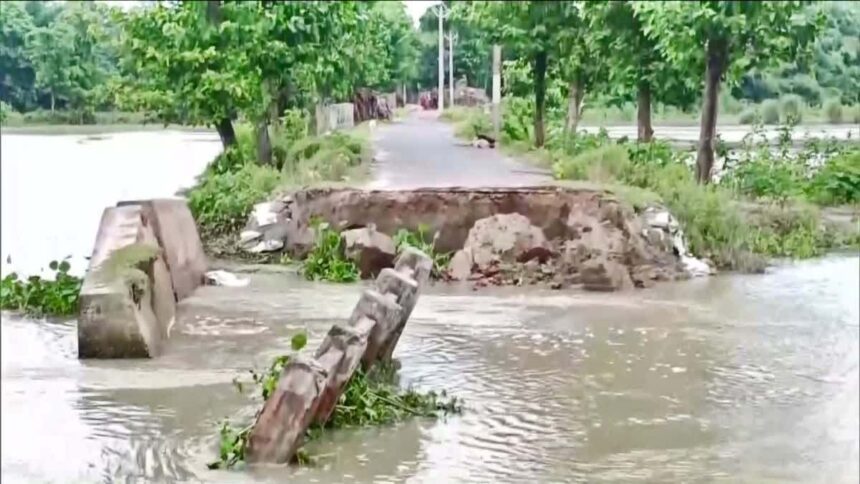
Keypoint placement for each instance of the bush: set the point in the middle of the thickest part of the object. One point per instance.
(770, 111)
(517, 119)
(855, 114)
(226, 193)
(749, 116)
(37, 296)
(838, 181)
(833, 111)
(792, 106)
(603, 164)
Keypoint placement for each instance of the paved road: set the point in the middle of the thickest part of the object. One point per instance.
(421, 151)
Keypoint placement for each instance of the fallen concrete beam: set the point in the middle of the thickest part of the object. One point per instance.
(383, 309)
(289, 410)
(414, 265)
(127, 302)
(340, 354)
(308, 390)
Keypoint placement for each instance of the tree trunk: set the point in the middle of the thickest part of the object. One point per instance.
(705, 157)
(226, 133)
(575, 94)
(52, 102)
(644, 130)
(540, 96)
(264, 144)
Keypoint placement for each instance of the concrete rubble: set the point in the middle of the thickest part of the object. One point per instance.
(147, 256)
(308, 389)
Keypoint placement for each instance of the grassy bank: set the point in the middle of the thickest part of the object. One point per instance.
(767, 204)
(230, 186)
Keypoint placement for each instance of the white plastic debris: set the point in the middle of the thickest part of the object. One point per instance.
(224, 278)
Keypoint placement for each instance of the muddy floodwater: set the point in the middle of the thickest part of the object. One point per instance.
(728, 379)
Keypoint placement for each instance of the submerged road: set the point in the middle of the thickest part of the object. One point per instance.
(422, 151)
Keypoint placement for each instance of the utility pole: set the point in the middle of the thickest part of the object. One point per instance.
(441, 14)
(452, 37)
(497, 88)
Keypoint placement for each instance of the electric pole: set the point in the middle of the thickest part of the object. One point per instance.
(452, 37)
(497, 88)
(441, 14)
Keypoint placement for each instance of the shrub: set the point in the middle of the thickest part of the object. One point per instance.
(838, 181)
(603, 164)
(792, 106)
(770, 111)
(224, 196)
(517, 119)
(833, 111)
(855, 113)
(749, 116)
(37, 296)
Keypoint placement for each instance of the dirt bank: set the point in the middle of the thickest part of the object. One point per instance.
(560, 235)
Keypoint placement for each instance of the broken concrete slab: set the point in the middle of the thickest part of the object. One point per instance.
(127, 301)
(177, 234)
(417, 262)
(146, 257)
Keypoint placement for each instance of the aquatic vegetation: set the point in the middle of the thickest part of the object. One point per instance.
(39, 297)
(327, 260)
(370, 399)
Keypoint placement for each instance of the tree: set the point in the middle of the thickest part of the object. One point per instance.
(724, 39)
(637, 70)
(181, 61)
(534, 28)
(17, 78)
(51, 51)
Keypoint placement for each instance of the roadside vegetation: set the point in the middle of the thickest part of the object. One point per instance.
(767, 202)
(35, 296)
(370, 399)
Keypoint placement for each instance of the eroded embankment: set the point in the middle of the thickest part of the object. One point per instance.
(561, 235)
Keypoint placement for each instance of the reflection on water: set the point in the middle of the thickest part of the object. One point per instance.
(54, 188)
(729, 379)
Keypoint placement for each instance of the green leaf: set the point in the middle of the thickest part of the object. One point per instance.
(299, 341)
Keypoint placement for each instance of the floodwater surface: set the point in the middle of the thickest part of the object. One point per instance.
(55, 187)
(727, 379)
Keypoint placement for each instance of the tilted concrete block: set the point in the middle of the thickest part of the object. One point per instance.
(177, 234)
(383, 309)
(340, 354)
(127, 304)
(418, 262)
(405, 290)
(280, 427)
